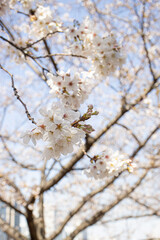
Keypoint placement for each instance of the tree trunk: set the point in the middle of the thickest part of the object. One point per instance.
(31, 225)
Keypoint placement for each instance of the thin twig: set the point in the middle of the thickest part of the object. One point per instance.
(7, 29)
(51, 58)
(17, 95)
(30, 167)
(39, 40)
(61, 54)
(130, 131)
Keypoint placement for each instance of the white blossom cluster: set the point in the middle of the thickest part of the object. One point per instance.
(41, 17)
(42, 22)
(109, 165)
(56, 130)
(72, 90)
(104, 52)
(16, 4)
(26, 4)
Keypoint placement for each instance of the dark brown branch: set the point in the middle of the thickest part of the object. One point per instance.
(39, 40)
(60, 54)
(31, 225)
(51, 57)
(25, 14)
(11, 206)
(12, 44)
(26, 54)
(7, 29)
(18, 97)
(130, 217)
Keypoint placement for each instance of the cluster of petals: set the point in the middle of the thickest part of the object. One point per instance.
(109, 165)
(56, 130)
(41, 17)
(26, 4)
(42, 22)
(104, 52)
(72, 90)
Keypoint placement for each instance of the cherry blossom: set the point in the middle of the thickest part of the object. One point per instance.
(61, 126)
(43, 22)
(72, 90)
(104, 52)
(106, 165)
(56, 130)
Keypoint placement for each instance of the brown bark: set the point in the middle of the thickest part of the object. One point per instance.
(31, 225)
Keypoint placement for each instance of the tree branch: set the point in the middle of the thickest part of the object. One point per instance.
(17, 95)
(11, 206)
(30, 167)
(95, 192)
(80, 153)
(144, 40)
(130, 217)
(59, 55)
(7, 29)
(13, 185)
(99, 214)
(31, 225)
(51, 57)
(156, 212)
(130, 131)
(10, 231)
